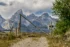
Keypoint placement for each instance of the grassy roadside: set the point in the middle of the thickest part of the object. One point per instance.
(6, 39)
(7, 43)
(58, 41)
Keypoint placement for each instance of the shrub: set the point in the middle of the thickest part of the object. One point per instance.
(62, 27)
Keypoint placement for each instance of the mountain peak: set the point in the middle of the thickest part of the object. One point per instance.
(45, 14)
(32, 14)
(19, 11)
(17, 14)
(1, 17)
(32, 17)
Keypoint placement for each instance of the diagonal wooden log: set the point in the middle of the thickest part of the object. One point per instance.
(31, 22)
(28, 20)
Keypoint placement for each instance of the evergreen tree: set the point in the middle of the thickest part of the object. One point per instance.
(62, 9)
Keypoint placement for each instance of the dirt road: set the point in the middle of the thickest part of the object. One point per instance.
(31, 42)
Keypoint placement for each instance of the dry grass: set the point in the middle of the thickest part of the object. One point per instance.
(6, 39)
(57, 41)
(7, 43)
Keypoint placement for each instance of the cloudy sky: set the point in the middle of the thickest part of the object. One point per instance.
(9, 7)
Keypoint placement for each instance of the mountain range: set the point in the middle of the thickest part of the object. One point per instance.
(40, 22)
(1, 21)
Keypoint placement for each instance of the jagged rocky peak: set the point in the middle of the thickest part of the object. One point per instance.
(45, 14)
(1, 22)
(1, 19)
(16, 15)
(32, 14)
(19, 11)
(32, 17)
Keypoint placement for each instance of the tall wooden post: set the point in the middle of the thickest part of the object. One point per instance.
(19, 26)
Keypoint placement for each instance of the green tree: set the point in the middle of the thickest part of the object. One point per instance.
(62, 9)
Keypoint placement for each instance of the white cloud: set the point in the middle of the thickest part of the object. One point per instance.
(28, 6)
